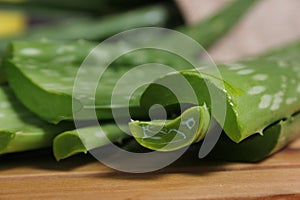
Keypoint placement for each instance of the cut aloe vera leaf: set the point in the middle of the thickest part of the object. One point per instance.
(258, 92)
(206, 32)
(21, 130)
(43, 98)
(168, 135)
(49, 69)
(257, 147)
(85, 139)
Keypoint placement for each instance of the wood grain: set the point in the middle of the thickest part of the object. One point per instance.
(35, 175)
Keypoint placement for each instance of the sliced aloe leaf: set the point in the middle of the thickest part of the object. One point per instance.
(21, 130)
(259, 92)
(168, 135)
(71, 142)
(49, 70)
(266, 87)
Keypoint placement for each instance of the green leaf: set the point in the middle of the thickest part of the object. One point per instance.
(83, 27)
(21, 130)
(259, 92)
(51, 86)
(50, 74)
(84, 139)
(91, 28)
(48, 69)
(169, 135)
(266, 87)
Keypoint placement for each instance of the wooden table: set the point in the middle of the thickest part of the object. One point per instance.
(36, 175)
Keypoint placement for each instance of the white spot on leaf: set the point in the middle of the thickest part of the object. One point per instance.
(257, 90)
(260, 77)
(298, 88)
(265, 101)
(65, 48)
(4, 105)
(30, 51)
(291, 100)
(282, 64)
(245, 71)
(277, 101)
(235, 66)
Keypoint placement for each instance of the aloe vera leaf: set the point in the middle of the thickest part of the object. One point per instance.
(97, 29)
(168, 135)
(258, 147)
(71, 142)
(101, 28)
(258, 91)
(209, 30)
(50, 76)
(56, 91)
(21, 130)
(205, 32)
(83, 27)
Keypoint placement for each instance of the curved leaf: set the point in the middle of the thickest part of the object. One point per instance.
(85, 139)
(191, 126)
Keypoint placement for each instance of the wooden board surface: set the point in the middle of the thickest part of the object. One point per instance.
(36, 175)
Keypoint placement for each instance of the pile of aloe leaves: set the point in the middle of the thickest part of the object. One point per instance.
(39, 68)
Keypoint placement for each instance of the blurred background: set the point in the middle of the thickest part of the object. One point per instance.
(269, 23)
